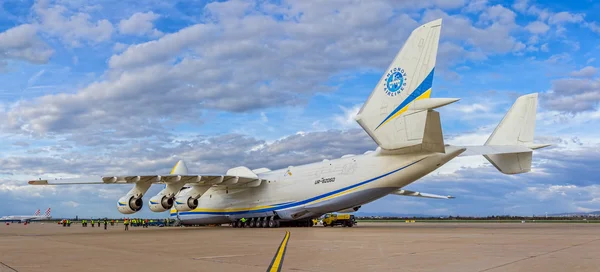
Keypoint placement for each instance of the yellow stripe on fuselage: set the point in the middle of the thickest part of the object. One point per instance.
(426, 94)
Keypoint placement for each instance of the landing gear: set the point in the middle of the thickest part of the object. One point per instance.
(271, 222)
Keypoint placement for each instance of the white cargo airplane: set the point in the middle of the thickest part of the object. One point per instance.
(26, 218)
(399, 115)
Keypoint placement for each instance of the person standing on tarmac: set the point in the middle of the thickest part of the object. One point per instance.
(126, 223)
(92, 223)
(105, 223)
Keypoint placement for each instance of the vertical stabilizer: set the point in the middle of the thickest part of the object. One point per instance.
(516, 128)
(388, 115)
(179, 169)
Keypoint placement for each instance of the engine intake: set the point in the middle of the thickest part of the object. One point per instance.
(160, 203)
(129, 204)
(186, 203)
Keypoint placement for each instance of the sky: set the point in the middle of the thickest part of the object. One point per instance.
(92, 88)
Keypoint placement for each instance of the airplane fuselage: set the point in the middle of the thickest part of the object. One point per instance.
(308, 191)
(23, 218)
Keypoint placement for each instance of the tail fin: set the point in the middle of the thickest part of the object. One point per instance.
(179, 169)
(389, 115)
(516, 129)
(37, 213)
(47, 214)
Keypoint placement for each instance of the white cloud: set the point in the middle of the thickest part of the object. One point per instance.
(593, 26)
(544, 48)
(588, 71)
(163, 49)
(22, 43)
(476, 5)
(558, 58)
(573, 94)
(590, 60)
(537, 27)
(520, 5)
(346, 120)
(73, 28)
(140, 24)
(71, 204)
(565, 17)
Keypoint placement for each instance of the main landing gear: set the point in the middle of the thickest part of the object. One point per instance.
(270, 222)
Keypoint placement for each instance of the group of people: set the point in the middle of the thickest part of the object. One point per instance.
(84, 222)
(134, 222)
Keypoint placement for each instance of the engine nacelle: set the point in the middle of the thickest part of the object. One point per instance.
(186, 203)
(129, 204)
(160, 203)
(351, 210)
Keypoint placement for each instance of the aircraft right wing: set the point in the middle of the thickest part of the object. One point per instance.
(403, 192)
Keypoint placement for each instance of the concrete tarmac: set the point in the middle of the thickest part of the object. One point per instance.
(367, 247)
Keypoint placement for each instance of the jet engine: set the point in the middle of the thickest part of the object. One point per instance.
(160, 203)
(186, 203)
(129, 204)
(350, 210)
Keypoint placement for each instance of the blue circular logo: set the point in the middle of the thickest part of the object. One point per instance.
(395, 81)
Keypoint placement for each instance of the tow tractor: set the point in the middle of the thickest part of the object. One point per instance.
(346, 220)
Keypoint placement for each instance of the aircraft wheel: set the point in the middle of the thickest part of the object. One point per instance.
(277, 224)
(271, 223)
(263, 223)
(252, 223)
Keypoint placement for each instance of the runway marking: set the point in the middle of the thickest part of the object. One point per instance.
(4, 267)
(277, 262)
(535, 256)
(223, 256)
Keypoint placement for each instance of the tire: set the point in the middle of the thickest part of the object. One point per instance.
(277, 224)
(271, 223)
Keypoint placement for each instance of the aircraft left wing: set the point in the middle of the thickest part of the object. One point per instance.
(235, 177)
(230, 180)
(403, 192)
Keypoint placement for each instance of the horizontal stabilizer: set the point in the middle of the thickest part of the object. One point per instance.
(490, 149)
(431, 103)
(512, 163)
(403, 192)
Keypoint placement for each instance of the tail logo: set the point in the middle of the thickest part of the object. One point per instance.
(395, 81)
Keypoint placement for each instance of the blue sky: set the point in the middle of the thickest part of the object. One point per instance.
(95, 88)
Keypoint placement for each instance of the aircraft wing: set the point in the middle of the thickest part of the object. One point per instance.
(403, 192)
(235, 177)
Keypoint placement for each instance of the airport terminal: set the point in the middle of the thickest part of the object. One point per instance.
(299, 136)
